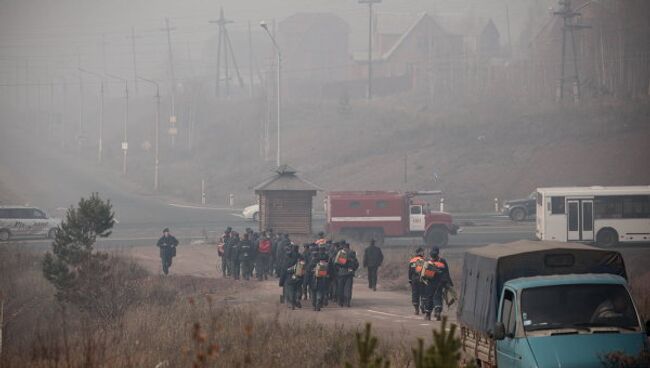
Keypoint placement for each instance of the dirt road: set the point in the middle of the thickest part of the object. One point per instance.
(389, 312)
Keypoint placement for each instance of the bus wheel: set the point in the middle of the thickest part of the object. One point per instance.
(607, 238)
(437, 236)
(518, 214)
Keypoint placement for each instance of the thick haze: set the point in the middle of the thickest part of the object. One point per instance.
(49, 38)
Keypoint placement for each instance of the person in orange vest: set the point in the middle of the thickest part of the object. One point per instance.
(435, 276)
(321, 239)
(416, 264)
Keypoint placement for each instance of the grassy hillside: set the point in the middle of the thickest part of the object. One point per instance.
(478, 151)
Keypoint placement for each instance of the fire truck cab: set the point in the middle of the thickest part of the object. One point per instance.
(378, 214)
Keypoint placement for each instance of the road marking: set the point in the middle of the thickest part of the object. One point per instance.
(391, 314)
(204, 208)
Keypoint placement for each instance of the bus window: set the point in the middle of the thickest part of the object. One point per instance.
(608, 207)
(557, 205)
(636, 207)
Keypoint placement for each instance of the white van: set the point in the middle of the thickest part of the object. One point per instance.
(17, 221)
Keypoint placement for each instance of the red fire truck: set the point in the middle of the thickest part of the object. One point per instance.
(379, 214)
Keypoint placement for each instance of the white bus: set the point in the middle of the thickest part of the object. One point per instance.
(602, 215)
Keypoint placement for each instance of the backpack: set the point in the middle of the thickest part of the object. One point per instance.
(418, 265)
(299, 269)
(342, 257)
(322, 269)
(220, 249)
(431, 269)
(265, 246)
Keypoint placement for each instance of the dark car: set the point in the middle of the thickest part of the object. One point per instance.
(521, 209)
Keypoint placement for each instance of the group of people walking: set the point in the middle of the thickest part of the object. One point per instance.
(322, 271)
(430, 283)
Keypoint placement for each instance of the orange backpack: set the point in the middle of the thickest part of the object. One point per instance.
(342, 257)
(321, 269)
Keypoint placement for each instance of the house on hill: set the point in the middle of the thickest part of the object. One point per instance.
(480, 37)
(406, 48)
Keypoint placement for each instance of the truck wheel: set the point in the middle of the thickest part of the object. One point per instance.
(518, 214)
(438, 237)
(5, 235)
(607, 238)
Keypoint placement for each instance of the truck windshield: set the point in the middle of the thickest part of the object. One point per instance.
(577, 307)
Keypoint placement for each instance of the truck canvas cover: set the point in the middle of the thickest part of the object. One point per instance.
(487, 269)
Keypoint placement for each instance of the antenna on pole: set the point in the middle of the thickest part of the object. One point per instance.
(224, 47)
(570, 24)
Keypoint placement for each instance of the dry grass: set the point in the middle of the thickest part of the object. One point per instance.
(176, 321)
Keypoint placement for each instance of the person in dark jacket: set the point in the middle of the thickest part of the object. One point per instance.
(222, 250)
(289, 260)
(293, 278)
(263, 259)
(246, 256)
(167, 244)
(321, 269)
(373, 257)
(417, 287)
(234, 255)
(282, 248)
(434, 288)
(346, 264)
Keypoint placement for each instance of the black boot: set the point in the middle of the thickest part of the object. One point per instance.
(427, 316)
(417, 310)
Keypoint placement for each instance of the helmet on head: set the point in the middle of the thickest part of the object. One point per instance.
(419, 251)
(435, 251)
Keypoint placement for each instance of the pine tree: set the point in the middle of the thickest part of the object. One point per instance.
(366, 350)
(73, 267)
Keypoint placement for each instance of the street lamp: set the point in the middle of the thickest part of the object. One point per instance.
(100, 147)
(369, 2)
(156, 132)
(277, 50)
(125, 144)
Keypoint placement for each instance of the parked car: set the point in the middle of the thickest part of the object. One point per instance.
(251, 212)
(520, 209)
(24, 221)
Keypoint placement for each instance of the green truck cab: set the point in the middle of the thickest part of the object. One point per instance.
(547, 304)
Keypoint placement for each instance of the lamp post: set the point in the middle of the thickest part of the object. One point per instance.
(125, 144)
(100, 144)
(156, 132)
(369, 2)
(278, 85)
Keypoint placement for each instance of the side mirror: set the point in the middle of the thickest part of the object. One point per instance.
(647, 327)
(499, 331)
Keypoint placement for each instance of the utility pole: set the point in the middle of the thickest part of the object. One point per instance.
(278, 87)
(156, 134)
(223, 42)
(125, 144)
(104, 63)
(100, 128)
(135, 66)
(370, 3)
(509, 34)
(81, 104)
(250, 60)
(172, 117)
(570, 26)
